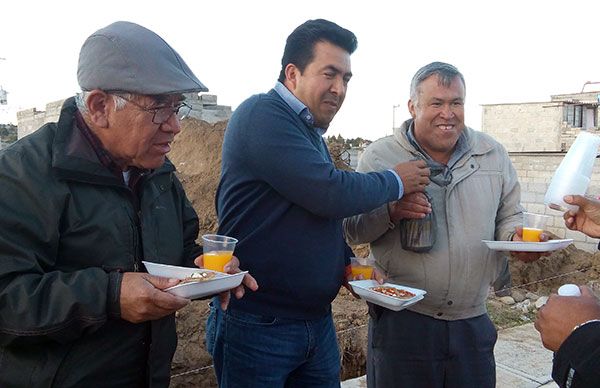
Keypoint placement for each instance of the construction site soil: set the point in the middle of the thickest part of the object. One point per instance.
(197, 155)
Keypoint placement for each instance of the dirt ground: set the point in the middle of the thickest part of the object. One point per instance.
(197, 155)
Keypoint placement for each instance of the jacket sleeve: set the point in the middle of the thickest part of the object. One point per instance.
(510, 209)
(368, 227)
(577, 362)
(190, 225)
(280, 154)
(37, 303)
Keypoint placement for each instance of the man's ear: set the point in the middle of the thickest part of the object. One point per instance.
(291, 76)
(412, 109)
(99, 105)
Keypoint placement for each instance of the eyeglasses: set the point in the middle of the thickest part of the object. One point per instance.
(161, 114)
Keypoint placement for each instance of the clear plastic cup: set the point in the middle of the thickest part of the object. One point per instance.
(362, 266)
(533, 226)
(218, 250)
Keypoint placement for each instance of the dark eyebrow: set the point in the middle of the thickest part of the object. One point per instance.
(338, 71)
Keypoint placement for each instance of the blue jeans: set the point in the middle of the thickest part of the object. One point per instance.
(251, 350)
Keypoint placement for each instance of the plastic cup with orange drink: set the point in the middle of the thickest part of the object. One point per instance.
(217, 251)
(533, 226)
(362, 266)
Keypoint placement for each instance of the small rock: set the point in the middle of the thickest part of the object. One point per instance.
(523, 306)
(595, 286)
(518, 296)
(525, 309)
(541, 301)
(532, 296)
(507, 300)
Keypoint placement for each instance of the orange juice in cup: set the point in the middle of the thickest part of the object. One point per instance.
(218, 250)
(362, 266)
(533, 226)
(216, 260)
(532, 234)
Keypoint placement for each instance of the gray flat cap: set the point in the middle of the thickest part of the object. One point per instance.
(127, 57)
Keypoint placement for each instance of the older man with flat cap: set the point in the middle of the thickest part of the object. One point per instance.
(83, 202)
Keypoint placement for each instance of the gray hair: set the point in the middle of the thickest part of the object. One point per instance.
(81, 101)
(445, 72)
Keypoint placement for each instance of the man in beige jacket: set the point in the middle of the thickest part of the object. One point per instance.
(447, 339)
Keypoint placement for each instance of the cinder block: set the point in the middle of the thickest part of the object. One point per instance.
(208, 99)
(558, 231)
(574, 235)
(537, 208)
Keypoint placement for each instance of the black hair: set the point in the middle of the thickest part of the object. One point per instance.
(299, 47)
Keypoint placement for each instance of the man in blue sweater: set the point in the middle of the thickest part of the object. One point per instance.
(282, 197)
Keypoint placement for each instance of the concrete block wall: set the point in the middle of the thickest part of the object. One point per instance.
(535, 172)
(526, 127)
(29, 120)
(204, 107)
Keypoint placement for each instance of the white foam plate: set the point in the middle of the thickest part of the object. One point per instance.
(194, 290)
(173, 271)
(197, 290)
(524, 246)
(362, 288)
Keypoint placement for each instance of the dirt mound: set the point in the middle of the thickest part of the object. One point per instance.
(197, 155)
(545, 276)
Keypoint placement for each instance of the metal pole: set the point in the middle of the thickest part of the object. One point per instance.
(394, 116)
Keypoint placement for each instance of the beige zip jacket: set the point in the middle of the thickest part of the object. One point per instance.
(482, 202)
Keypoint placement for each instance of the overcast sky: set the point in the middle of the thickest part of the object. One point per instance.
(508, 51)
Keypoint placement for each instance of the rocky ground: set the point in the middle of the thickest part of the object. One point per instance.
(197, 155)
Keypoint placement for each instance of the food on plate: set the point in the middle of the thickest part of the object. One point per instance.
(393, 292)
(198, 277)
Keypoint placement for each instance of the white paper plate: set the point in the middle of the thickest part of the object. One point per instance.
(523, 246)
(221, 281)
(362, 288)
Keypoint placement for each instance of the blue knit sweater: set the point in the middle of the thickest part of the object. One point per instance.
(282, 198)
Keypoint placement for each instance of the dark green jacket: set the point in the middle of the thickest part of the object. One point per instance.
(67, 232)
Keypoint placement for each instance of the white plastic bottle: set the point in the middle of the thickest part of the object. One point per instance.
(572, 176)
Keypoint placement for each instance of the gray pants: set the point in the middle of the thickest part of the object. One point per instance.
(412, 350)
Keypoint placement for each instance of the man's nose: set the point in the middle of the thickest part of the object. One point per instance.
(447, 111)
(338, 86)
(173, 124)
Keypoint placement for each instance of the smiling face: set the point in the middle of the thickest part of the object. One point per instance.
(323, 83)
(439, 116)
(132, 139)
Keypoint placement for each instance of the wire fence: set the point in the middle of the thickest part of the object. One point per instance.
(355, 328)
(562, 275)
